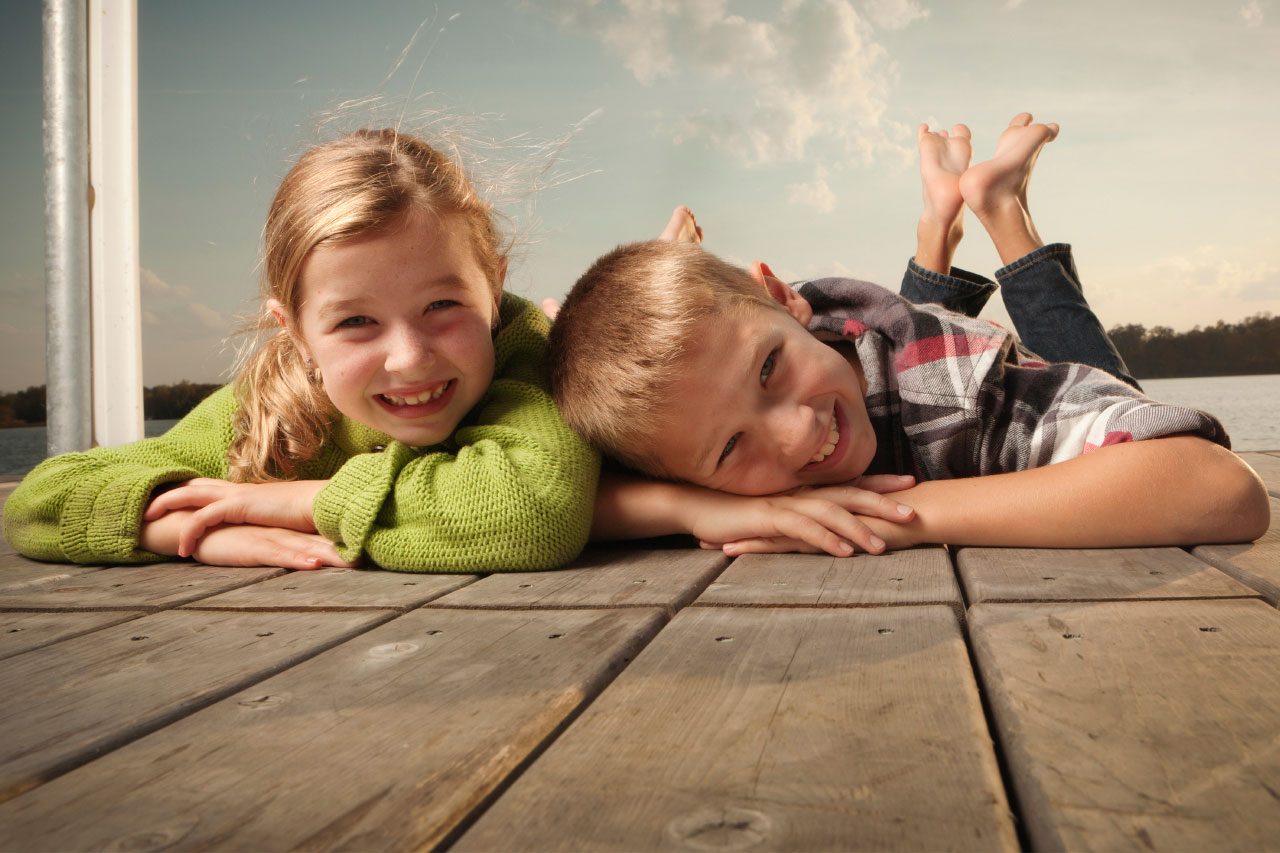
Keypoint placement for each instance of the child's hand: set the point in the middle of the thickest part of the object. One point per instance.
(217, 502)
(241, 545)
(251, 545)
(833, 519)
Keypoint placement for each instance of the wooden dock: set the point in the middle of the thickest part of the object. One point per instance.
(651, 698)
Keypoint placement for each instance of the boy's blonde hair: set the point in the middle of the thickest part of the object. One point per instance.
(617, 342)
(336, 192)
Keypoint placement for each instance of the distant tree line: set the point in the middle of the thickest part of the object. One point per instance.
(1251, 346)
(162, 402)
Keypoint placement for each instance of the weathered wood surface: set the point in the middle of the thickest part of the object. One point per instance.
(1256, 564)
(384, 743)
(1138, 725)
(1040, 574)
(772, 729)
(609, 576)
(808, 729)
(63, 704)
(917, 576)
(155, 586)
(1268, 467)
(336, 589)
(24, 631)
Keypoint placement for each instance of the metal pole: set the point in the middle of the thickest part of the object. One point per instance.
(66, 239)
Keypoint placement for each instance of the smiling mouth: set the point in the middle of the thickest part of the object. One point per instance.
(833, 438)
(417, 399)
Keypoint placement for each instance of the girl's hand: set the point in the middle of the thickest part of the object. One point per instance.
(241, 545)
(837, 520)
(250, 545)
(217, 502)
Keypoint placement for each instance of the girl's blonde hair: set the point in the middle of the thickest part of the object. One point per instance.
(337, 191)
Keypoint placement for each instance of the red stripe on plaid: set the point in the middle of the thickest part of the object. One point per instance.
(852, 328)
(938, 347)
(1116, 437)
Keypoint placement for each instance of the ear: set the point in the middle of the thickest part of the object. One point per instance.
(793, 303)
(282, 317)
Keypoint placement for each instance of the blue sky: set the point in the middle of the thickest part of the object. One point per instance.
(787, 125)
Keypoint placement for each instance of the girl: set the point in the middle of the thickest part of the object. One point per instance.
(397, 410)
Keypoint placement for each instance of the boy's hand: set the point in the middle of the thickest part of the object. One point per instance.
(284, 505)
(834, 519)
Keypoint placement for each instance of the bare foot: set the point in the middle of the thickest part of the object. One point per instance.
(682, 228)
(996, 191)
(943, 159)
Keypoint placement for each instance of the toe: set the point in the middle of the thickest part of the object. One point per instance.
(1020, 120)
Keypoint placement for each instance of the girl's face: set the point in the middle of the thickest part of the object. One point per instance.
(399, 324)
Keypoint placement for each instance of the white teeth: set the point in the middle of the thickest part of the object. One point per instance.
(833, 438)
(416, 400)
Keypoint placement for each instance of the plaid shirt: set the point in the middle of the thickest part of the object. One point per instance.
(952, 396)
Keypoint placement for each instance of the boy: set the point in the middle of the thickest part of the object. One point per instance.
(734, 381)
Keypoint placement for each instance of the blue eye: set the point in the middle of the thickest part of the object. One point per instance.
(728, 448)
(360, 320)
(441, 303)
(766, 369)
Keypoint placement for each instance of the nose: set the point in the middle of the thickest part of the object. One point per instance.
(794, 429)
(409, 352)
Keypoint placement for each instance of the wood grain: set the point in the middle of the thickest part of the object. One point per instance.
(1047, 574)
(66, 703)
(1268, 467)
(601, 577)
(384, 743)
(21, 632)
(916, 576)
(340, 588)
(1255, 564)
(156, 585)
(1138, 725)
(771, 729)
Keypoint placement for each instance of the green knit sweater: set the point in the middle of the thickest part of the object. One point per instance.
(511, 490)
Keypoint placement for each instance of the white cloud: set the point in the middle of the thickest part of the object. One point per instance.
(1206, 272)
(208, 317)
(812, 75)
(153, 284)
(816, 194)
(1251, 13)
(894, 14)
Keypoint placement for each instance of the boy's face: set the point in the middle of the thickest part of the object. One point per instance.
(760, 403)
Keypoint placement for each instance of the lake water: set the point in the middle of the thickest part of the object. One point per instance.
(1248, 405)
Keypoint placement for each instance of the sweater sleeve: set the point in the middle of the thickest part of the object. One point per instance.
(514, 492)
(87, 507)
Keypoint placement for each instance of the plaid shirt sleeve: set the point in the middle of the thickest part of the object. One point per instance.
(952, 396)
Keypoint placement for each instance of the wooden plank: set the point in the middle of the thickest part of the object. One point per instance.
(339, 588)
(1137, 725)
(384, 743)
(22, 632)
(1068, 574)
(1268, 467)
(17, 572)
(613, 576)
(772, 729)
(155, 585)
(64, 704)
(916, 576)
(1256, 564)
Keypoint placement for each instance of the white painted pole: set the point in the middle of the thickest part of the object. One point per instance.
(66, 214)
(113, 221)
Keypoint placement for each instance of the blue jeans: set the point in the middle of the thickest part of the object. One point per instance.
(1045, 301)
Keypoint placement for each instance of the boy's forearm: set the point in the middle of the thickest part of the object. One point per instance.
(633, 507)
(1169, 491)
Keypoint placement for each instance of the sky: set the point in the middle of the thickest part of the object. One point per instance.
(788, 126)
